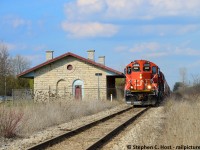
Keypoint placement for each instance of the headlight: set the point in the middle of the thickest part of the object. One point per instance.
(131, 87)
(149, 87)
(140, 76)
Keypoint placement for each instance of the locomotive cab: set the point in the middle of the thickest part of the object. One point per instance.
(143, 79)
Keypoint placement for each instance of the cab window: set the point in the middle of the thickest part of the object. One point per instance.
(136, 68)
(146, 68)
(154, 70)
(129, 70)
(125, 71)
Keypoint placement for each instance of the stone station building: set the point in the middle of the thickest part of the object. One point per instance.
(71, 76)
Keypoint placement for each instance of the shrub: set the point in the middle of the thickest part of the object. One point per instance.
(23, 118)
(9, 121)
(54, 113)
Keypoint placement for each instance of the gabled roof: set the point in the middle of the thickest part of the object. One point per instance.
(65, 55)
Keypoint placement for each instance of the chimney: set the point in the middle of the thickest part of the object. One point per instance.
(102, 60)
(49, 55)
(91, 54)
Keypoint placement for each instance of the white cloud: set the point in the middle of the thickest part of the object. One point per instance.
(122, 8)
(21, 46)
(121, 48)
(187, 28)
(35, 59)
(18, 22)
(10, 46)
(83, 9)
(155, 50)
(15, 22)
(156, 54)
(81, 13)
(151, 46)
(194, 64)
(90, 29)
(144, 9)
(127, 9)
(148, 50)
(91, 5)
(17, 46)
(163, 30)
(186, 51)
(40, 47)
(174, 8)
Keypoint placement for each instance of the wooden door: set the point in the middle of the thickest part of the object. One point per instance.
(78, 92)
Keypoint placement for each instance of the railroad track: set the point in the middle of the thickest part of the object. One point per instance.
(95, 134)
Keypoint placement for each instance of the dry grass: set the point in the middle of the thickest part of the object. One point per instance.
(38, 116)
(9, 121)
(175, 123)
(182, 123)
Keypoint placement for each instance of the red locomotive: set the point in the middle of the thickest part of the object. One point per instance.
(145, 83)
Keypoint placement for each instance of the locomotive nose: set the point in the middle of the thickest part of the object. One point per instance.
(140, 76)
(142, 81)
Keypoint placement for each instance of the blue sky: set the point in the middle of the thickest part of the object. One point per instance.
(163, 31)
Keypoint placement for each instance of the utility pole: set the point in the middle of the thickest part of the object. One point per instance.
(5, 84)
(5, 87)
(98, 74)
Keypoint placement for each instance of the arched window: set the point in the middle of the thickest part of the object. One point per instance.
(60, 87)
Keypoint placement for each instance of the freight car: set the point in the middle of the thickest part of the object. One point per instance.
(145, 83)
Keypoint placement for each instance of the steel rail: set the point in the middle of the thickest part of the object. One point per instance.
(47, 143)
(105, 139)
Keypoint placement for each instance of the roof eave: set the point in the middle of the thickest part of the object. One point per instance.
(65, 55)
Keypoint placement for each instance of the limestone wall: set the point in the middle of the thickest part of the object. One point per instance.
(57, 78)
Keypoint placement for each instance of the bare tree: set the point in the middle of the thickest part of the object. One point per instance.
(183, 75)
(5, 67)
(196, 79)
(9, 68)
(20, 64)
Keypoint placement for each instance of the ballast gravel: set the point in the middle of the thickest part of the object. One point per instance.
(24, 143)
(145, 132)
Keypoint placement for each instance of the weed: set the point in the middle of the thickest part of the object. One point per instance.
(10, 120)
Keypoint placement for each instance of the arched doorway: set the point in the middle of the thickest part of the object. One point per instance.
(78, 91)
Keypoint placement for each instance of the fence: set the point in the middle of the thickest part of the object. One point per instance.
(68, 94)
